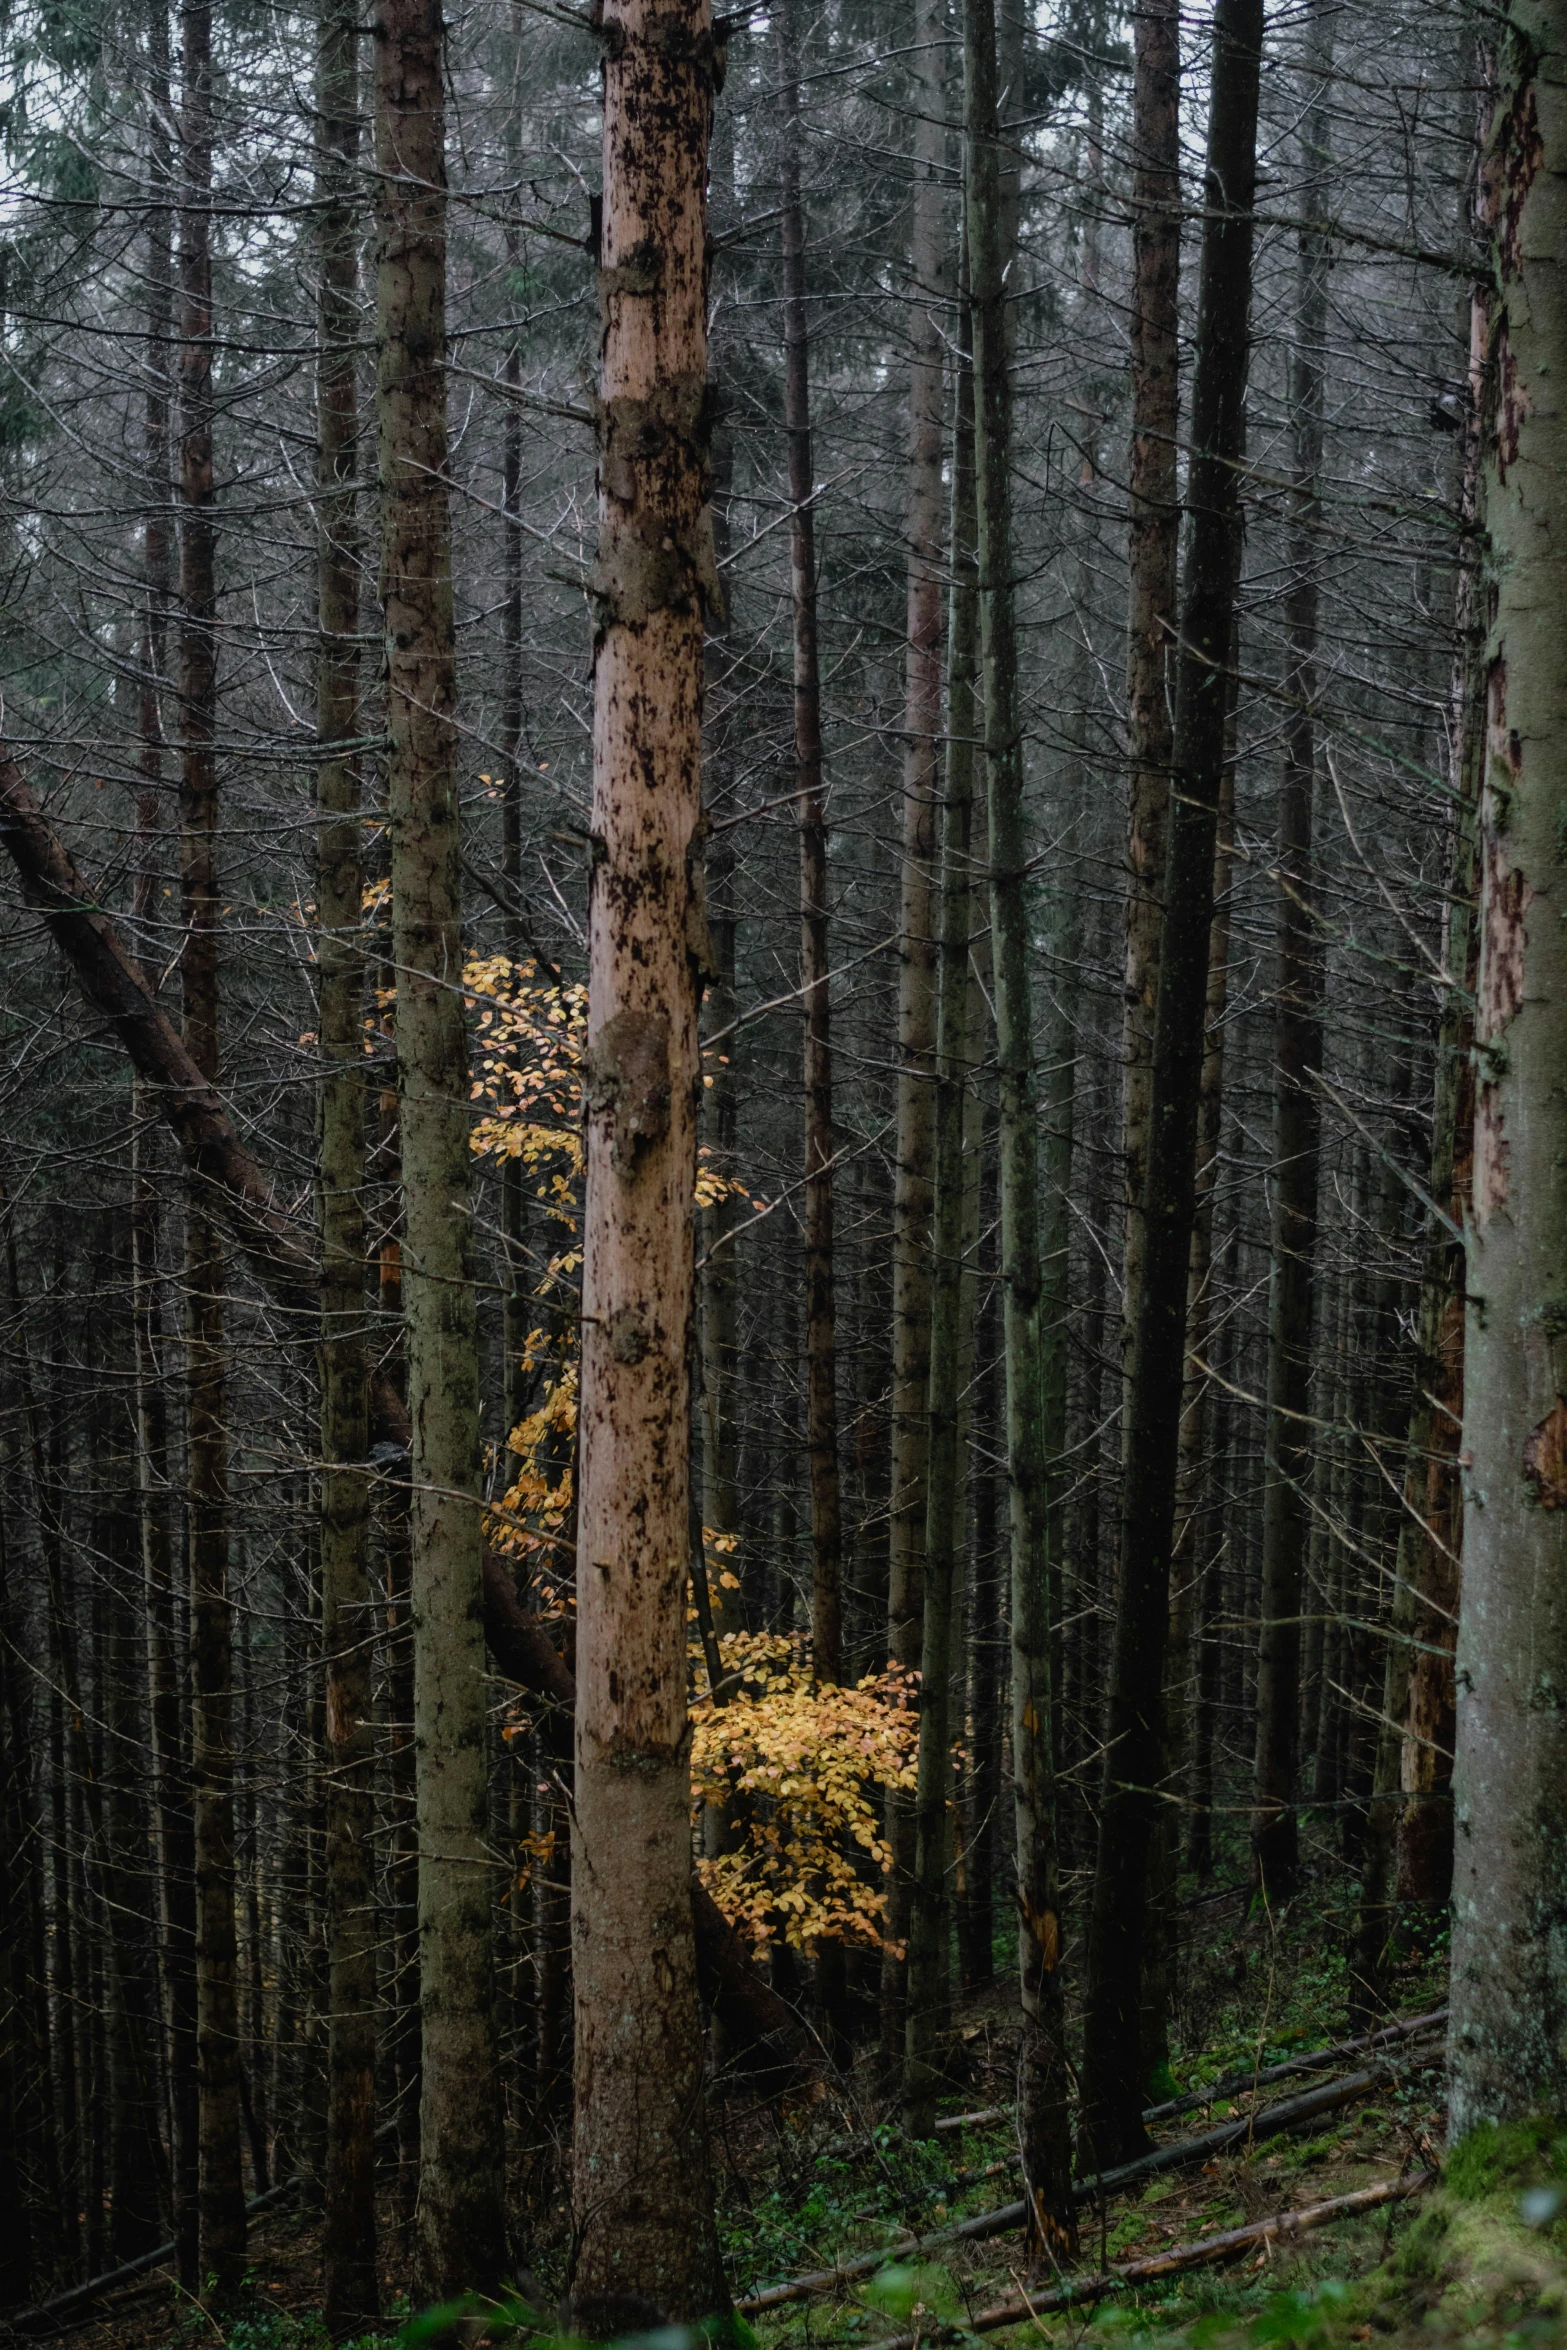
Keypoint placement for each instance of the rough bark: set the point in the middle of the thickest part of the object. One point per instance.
(1154, 500)
(1134, 1758)
(646, 2242)
(460, 2231)
(912, 1197)
(1297, 1046)
(821, 1388)
(350, 2294)
(1507, 2045)
(173, 1827)
(221, 2197)
(1409, 1820)
(1042, 2099)
(1191, 1678)
(720, 1103)
(929, 1912)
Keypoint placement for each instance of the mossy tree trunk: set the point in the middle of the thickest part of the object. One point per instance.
(1507, 2041)
(460, 2233)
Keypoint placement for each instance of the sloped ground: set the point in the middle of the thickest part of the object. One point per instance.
(1480, 2258)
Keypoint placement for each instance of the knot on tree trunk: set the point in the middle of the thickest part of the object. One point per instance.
(628, 1081)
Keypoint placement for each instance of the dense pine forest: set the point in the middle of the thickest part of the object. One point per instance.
(783, 1169)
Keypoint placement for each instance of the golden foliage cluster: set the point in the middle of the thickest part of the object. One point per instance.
(798, 1766)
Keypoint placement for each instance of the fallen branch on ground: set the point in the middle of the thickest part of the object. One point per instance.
(1182, 2154)
(1202, 2253)
(1235, 2084)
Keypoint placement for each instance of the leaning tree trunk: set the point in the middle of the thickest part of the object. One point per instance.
(221, 2196)
(1297, 1049)
(1507, 2042)
(350, 2295)
(1134, 1753)
(1154, 500)
(460, 2237)
(647, 2246)
(1042, 2101)
(916, 1007)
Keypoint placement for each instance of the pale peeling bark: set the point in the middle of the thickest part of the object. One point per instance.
(647, 2244)
(460, 2229)
(1507, 2047)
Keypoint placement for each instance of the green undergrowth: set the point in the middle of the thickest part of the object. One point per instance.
(1479, 2263)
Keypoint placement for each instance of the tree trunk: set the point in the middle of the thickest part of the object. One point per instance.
(647, 2245)
(1507, 2047)
(821, 1395)
(1134, 1758)
(1193, 1598)
(1297, 1048)
(350, 2295)
(1042, 2098)
(516, 1314)
(136, 2165)
(1154, 500)
(929, 1924)
(460, 2223)
(916, 1008)
(173, 1826)
(221, 2210)
(720, 1105)
(1409, 1823)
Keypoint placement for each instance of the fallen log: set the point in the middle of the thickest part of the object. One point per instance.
(1237, 2083)
(1203, 2252)
(760, 2025)
(1273, 2121)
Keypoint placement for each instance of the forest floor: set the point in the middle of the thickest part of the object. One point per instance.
(1477, 2256)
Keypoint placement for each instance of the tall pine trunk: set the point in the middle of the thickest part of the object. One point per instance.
(821, 1376)
(1042, 2099)
(460, 2229)
(929, 1913)
(647, 2245)
(173, 1827)
(1507, 2049)
(350, 2295)
(1154, 499)
(1297, 1045)
(916, 1004)
(1134, 1752)
(221, 2200)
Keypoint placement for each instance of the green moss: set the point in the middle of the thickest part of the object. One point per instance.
(1518, 2154)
